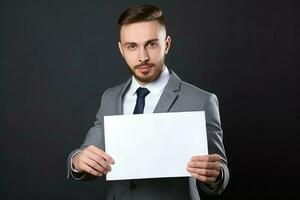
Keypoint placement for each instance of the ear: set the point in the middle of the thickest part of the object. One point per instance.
(120, 48)
(168, 44)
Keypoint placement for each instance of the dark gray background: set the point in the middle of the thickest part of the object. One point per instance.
(57, 57)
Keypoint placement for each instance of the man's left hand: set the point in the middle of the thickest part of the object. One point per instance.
(205, 168)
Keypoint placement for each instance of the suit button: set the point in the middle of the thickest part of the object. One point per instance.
(132, 186)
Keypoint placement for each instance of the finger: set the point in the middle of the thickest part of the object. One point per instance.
(86, 168)
(204, 179)
(205, 165)
(95, 157)
(100, 152)
(207, 158)
(204, 172)
(86, 161)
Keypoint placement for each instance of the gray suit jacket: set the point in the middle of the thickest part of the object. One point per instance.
(178, 96)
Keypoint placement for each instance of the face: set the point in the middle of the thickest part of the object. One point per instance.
(144, 46)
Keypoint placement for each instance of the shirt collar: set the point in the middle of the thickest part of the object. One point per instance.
(155, 87)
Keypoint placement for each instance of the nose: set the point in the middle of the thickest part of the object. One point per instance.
(143, 55)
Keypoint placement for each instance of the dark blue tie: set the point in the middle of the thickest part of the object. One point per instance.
(140, 100)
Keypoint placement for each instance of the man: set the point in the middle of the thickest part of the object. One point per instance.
(153, 88)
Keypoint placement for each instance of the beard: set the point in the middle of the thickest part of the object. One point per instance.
(146, 77)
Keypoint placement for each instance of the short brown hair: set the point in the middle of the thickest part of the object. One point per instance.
(141, 13)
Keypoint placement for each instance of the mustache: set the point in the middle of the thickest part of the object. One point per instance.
(143, 64)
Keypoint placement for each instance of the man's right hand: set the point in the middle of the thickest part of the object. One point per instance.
(92, 160)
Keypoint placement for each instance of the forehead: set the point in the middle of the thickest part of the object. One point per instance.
(142, 31)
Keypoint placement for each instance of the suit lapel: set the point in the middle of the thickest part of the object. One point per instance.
(169, 94)
(120, 97)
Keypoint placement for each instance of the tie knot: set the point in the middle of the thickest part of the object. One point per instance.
(142, 92)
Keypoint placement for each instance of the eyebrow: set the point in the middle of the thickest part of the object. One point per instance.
(147, 42)
(153, 40)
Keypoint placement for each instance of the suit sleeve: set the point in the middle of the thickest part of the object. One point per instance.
(215, 145)
(95, 136)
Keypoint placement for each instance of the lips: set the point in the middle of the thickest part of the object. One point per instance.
(144, 66)
(144, 69)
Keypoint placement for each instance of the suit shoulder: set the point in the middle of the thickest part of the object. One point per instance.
(114, 90)
(191, 98)
(191, 90)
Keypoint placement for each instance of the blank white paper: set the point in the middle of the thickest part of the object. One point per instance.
(154, 145)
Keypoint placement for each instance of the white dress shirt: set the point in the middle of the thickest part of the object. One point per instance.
(155, 87)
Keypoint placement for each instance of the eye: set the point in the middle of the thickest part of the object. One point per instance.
(131, 46)
(152, 45)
